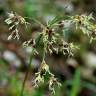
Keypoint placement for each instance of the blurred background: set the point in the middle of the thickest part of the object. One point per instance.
(76, 81)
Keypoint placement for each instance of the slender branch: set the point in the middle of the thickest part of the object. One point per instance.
(38, 22)
(27, 72)
(29, 65)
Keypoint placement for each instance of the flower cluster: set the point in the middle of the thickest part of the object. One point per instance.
(67, 48)
(39, 77)
(85, 23)
(49, 38)
(52, 83)
(44, 68)
(52, 40)
(14, 20)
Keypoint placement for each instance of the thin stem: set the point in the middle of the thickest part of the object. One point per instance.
(27, 72)
(44, 51)
(43, 57)
(43, 26)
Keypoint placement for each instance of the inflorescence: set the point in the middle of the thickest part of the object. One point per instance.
(52, 40)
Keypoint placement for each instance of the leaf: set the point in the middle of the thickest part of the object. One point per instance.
(76, 83)
(56, 19)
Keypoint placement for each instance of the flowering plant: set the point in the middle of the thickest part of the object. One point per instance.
(52, 39)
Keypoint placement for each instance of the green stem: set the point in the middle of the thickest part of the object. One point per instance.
(29, 65)
(43, 56)
(27, 72)
(38, 22)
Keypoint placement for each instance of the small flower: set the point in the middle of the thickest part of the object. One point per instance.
(44, 68)
(67, 48)
(10, 18)
(72, 48)
(39, 76)
(64, 47)
(52, 84)
(61, 24)
(14, 35)
(30, 42)
(38, 79)
(83, 22)
(93, 36)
